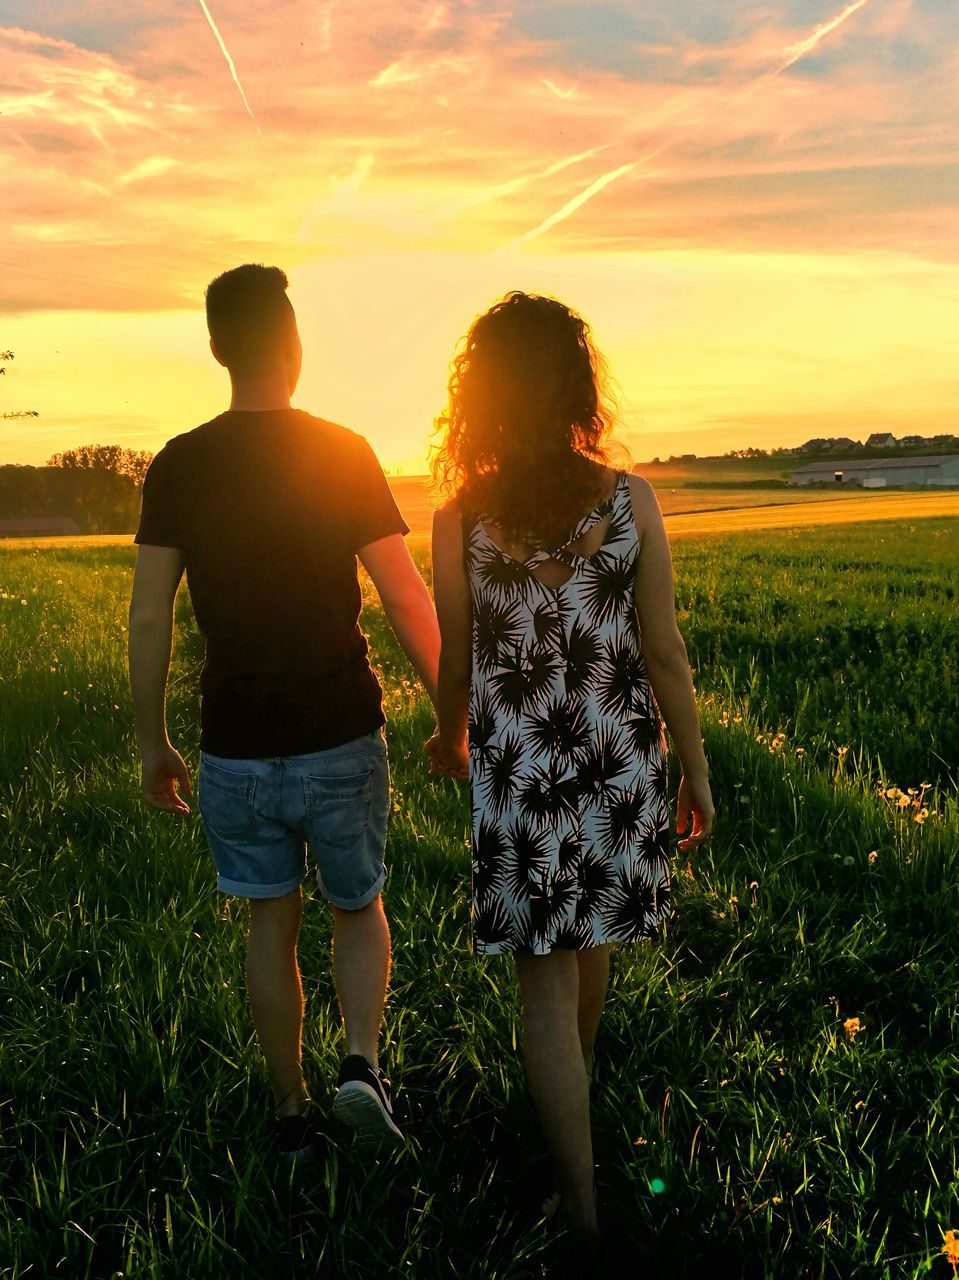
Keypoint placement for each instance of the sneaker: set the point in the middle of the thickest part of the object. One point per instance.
(362, 1101)
(297, 1141)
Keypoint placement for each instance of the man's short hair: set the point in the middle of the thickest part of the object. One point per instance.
(249, 315)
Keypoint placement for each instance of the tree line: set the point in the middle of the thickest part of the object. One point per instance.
(97, 485)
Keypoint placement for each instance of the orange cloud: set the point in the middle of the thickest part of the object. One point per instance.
(418, 136)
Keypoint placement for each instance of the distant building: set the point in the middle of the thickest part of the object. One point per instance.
(39, 527)
(881, 440)
(880, 473)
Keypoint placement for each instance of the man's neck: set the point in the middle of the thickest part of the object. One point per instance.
(260, 397)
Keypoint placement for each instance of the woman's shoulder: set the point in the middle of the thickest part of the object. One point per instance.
(448, 513)
(640, 490)
(639, 486)
(451, 520)
(642, 498)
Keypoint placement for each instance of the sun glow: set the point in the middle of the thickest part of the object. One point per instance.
(724, 205)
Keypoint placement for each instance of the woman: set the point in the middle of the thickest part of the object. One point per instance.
(560, 649)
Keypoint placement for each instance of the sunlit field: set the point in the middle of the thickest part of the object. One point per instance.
(732, 506)
(776, 1078)
(688, 510)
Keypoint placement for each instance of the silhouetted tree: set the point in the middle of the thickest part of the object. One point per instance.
(105, 457)
(5, 357)
(103, 484)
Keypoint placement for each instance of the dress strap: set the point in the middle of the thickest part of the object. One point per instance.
(587, 522)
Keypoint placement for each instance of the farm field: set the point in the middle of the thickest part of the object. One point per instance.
(744, 1125)
(752, 507)
(687, 510)
(841, 638)
(866, 507)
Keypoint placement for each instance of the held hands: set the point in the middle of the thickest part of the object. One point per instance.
(694, 806)
(449, 759)
(165, 774)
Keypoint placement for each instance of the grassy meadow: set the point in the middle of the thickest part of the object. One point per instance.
(746, 1124)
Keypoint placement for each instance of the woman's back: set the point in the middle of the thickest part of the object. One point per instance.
(567, 757)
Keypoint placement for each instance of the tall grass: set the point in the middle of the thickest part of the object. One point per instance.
(843, 636)
(740, 1130)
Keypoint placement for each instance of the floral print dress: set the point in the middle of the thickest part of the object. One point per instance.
(567, 754)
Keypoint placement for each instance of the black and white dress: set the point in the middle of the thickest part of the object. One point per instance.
(567, 754)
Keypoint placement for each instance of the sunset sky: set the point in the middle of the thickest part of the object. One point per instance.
(755, 205)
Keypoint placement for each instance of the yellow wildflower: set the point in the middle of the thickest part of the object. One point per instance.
(950, 1248)
(852, 1027)
(873, 855)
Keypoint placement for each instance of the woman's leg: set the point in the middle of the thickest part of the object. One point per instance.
(557, 1075)
(593, 982)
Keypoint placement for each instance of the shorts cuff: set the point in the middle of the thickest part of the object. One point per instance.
(240, 890)
(354, 904)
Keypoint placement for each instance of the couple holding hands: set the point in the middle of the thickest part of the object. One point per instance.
(552, 657)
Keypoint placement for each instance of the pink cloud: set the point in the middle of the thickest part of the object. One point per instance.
(441, 125)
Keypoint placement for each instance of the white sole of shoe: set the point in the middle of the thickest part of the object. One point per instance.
(356, 1104)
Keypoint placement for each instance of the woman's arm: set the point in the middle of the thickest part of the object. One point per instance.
(667, 663)
(451, 592)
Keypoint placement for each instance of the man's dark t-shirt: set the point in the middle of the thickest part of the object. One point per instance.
(269, 510)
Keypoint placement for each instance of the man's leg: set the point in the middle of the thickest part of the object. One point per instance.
(276, 994)
(593, 982)
(361, 971)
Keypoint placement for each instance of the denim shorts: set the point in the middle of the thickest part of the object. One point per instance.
(262, 816)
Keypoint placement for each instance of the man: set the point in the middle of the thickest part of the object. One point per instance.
(267, 509)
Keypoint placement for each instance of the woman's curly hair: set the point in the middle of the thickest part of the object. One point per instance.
(526, 419)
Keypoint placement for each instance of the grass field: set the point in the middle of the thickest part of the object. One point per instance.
(838, 637)
(688, 511)
(741, 1129)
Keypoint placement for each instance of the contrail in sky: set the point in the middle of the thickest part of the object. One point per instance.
(794, 52)
(802, 47)
(577, 202)
(229, 61)
(514, 184)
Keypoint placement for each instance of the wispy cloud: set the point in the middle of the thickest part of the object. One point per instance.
(577, 202)
(560, 93)
(230, 64)
(793, 54)
(798, 50)
(152, 167)
(472, 149)
(794, 212)
(404, 71)
(512, 185)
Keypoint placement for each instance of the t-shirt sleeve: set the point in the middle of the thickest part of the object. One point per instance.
(160, 523)
(374, 513)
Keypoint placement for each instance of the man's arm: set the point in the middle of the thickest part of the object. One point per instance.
(449, 750)
(406, 603)
(155, 583)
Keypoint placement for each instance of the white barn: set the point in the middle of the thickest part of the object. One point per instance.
(934, 472)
